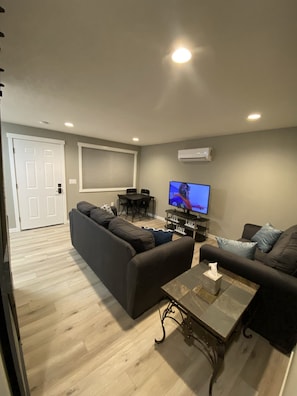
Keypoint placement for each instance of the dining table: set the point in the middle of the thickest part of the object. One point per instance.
(134, 200)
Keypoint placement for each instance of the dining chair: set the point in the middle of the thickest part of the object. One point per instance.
(144, 204)
(131, 205)
(131, 191)
(123, 205)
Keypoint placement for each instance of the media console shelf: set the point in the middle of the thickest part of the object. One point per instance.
(187, 224)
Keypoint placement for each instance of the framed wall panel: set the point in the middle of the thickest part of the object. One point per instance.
(103, 168)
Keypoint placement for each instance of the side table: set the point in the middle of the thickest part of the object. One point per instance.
(207, 321)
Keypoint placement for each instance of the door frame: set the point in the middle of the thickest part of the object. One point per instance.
(10, 137)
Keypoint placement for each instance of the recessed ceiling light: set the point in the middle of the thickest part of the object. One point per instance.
(181, 55)
(44, 122)
(69, 124)
(135, 139)
(254, 116)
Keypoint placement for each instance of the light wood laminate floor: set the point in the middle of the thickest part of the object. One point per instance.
(77, 339)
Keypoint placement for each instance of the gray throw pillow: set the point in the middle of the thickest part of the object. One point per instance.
(266, 237)
(283, 256)
(244, 249)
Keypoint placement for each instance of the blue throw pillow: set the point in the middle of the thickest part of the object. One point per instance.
(161, 236)
(244, 249)
(266, 237)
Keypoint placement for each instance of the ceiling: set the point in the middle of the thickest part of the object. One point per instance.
(105, 66)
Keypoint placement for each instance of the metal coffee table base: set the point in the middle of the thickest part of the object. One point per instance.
(212, 347)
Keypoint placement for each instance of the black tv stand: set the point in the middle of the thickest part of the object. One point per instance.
(184, 223)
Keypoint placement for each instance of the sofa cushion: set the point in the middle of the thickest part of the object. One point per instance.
(101, 216)
(266, 237)
(244, 249)
(283, 256)
(85, 207)
(140, 239)
(260, 256)
(161, 236)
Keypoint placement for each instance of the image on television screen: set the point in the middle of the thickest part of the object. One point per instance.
(189, 196)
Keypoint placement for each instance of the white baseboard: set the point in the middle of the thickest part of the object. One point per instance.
(158, 217)
(11, 230)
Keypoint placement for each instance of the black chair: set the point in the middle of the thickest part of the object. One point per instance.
(131, 191)
(123, 205)
(144, 205)
(129, 203)
(145, 202)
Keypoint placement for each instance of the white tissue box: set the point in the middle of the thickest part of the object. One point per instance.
(210, 284)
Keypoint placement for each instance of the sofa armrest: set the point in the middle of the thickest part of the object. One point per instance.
(253, 270)
(150, 270)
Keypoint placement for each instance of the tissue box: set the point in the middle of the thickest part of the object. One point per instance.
(210, 284)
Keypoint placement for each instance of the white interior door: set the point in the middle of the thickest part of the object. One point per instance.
(39, 177)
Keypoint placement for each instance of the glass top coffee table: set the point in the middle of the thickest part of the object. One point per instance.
(207, 320)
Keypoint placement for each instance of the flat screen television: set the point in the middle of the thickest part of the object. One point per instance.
(192, 197)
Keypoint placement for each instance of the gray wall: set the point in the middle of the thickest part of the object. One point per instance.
(252, 178)
(252, 175)
(71, 166)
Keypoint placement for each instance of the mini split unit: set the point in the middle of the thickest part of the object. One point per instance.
(197, 154)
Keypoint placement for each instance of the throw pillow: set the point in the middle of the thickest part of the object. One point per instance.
(85, 207)
(161, 236)
(107, 208)
(101, 216)
(141, 240)
(244, 249)
(283, 256)
(266, 237)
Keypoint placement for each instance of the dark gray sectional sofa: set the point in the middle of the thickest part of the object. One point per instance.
(125, 258)
(275, 304)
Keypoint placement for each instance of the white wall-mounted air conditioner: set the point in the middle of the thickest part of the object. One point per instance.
(197, 154)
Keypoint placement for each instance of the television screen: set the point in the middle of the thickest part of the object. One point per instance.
(189, 196)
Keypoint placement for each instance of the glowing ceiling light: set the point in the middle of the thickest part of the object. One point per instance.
(69, 124)
(135, 139)
(254, 116)
(181, 55)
